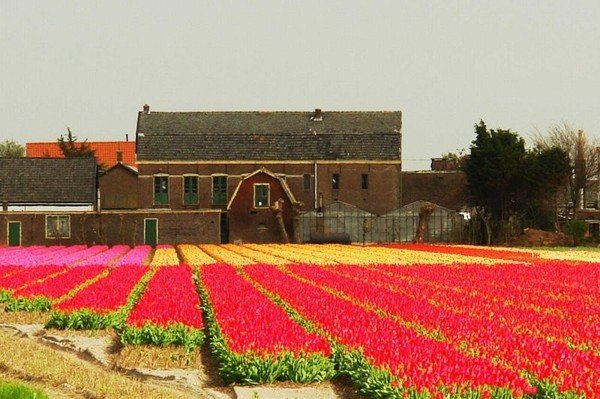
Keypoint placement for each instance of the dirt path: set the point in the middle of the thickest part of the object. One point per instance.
(80, 366)
(94, 364)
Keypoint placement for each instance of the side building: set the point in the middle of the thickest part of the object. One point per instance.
(43, 199)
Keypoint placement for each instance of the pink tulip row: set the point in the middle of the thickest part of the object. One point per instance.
(491, 337)
(266, 329)
(61, 284)
(58, 255)
(169, 298)
(135, 257)
(414, 360)
(105, 257)
(107, 294)
(35, 256)
(20, 256)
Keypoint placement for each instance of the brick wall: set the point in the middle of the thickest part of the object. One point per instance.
(383, 194)
(249, 224)
(119, 189)
(116, 227)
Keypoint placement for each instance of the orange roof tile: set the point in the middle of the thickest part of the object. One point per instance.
(106, 151)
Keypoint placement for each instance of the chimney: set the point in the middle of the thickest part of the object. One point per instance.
(146, 109)
(126, 137)
(318, 116)
(119, 156)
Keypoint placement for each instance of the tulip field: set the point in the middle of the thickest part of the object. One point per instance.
(401, 321)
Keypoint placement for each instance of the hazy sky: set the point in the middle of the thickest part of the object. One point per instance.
(445, 64)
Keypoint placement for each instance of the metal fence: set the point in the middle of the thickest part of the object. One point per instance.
(400, 225)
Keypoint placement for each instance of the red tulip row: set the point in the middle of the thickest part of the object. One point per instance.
(60, 285)
(470, 291)
(6, 271)
(169, 298)
(489, 337)
(28, 275)
(107, 294)
(267, 329)
(415, 361)
(263, 344)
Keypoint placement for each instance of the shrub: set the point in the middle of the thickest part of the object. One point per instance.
(577, 230)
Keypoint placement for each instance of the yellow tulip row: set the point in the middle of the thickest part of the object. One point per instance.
(226, 256)
(573, 255)
(256, 256)
(292, 254)
(350, 254)
(578, 256)
(165, 256)
(194, 256)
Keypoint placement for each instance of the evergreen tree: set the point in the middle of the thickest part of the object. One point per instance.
(511, 186)
(73, 149)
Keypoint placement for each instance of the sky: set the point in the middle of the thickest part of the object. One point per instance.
(90, 66)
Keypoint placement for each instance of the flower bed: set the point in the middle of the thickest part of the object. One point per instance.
(262, 345)
(168, 311)
(373, 346)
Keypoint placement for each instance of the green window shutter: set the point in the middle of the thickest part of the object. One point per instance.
(261, 196)
(161, 190)
(219, 191)
(190, 190)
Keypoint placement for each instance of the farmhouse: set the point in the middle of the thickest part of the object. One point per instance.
(240, 164)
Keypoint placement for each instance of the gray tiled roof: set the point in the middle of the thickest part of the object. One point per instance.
(268, 136)
(48, 180)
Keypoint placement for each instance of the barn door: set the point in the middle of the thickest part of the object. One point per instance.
(151, 232)
(14, 234)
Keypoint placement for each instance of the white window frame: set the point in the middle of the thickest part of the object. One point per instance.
(268, 196)
(58, 217)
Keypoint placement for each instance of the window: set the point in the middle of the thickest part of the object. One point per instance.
(364, 181)
(58, 226)
(161, 190)
(261, 196)
(306, 182)
(335, 181)
(190, 190)
(219, 190)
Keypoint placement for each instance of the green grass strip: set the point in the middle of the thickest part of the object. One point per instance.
(5, 296)
(12, 390)
(35, 304)
(174, 334)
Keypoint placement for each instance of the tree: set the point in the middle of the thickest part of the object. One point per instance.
(510, 185)
(71, 148)
(567, 138)
(11, 149)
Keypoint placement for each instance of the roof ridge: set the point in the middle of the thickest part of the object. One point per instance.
(272, 112)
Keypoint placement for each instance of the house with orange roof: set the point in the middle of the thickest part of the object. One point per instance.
(108, 153)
